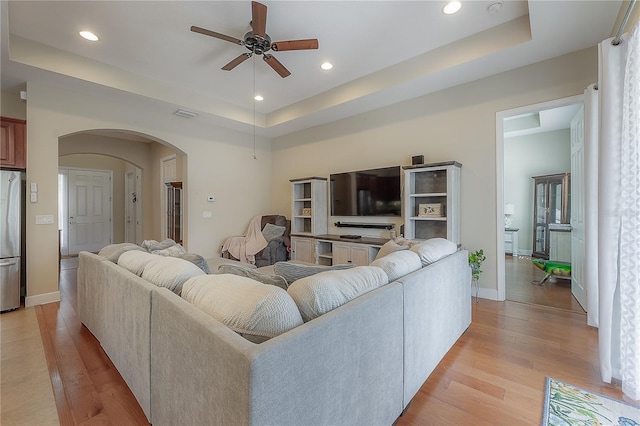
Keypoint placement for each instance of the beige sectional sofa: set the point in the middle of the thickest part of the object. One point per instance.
(360, 363)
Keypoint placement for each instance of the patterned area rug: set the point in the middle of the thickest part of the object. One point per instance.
(568, 405)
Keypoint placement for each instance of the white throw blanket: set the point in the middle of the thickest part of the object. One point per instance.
(246, 247)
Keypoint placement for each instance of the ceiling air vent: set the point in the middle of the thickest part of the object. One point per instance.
(186, 114)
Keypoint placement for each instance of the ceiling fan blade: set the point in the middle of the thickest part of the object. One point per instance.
(276, 65)
(216, 35)
(280, 46)
(237, 61)
(258, 18)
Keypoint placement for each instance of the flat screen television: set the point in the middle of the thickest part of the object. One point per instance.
(374, 192)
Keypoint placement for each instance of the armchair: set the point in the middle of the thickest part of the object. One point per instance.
(277, 249)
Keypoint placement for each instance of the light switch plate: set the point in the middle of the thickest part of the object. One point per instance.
(34, 187)
(207, 215)
(44, 219)
(34, 197)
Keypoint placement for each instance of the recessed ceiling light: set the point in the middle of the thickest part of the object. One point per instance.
(258, 98)
(88, 35)
(326, 66)
(451, 7)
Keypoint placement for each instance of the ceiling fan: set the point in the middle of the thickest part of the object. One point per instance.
(258, 42)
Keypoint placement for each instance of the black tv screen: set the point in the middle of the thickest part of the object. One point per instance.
(374, 192)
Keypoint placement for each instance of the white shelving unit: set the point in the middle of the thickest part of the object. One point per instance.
(435, 187)
(309, 206)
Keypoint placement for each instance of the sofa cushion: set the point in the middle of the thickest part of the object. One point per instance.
(135, 261)
(295, 271)
(398, 264)
(320, 293)
(256, 311)
(390, 247)
(434, 249)
(270, 231)
(254, 275)
(113, 251)
(170, 272)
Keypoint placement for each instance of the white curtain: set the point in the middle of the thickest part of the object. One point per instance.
(619, 212)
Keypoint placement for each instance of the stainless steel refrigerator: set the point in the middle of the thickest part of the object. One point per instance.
(11, 215)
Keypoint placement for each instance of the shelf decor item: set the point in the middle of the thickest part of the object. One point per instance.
(475, 262)
(430, 210)
(306, 211)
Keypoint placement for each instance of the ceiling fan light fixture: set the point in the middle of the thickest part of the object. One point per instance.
(88, 35)
(326, 66)
(258, 98)
(451, 7)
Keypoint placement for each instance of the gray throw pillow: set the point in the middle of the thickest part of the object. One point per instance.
(197, 260)
(294, 271)
(272, 231)
(151, 245)
(254, 275)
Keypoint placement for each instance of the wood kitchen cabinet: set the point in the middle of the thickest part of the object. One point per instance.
(13, 143)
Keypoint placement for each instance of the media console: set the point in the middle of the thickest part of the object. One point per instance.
(332, 249)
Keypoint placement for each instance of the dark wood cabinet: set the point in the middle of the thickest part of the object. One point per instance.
(551, 204)
(13, 143)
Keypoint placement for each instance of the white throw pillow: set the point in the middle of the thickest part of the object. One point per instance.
(256, 311)
(434, 249)
(320, 293)
(170, 272)
(114, 251)
(390, 247)
(398, 264)
(135, 261)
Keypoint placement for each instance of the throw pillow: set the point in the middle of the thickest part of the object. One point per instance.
(197, 260)
(151, 245)
(318, 294)
(295, 271)
(434, 249)
(170, 272)
(255, 311)
(398, 264)
(135, 261)
(175, 250)
(270, 231)
(254, 275)
(113, 251)
(389, 247)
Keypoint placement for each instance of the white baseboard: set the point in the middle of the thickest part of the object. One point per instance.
(41, 299)
(485, 293)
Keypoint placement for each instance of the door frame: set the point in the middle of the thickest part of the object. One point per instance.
(500, 117)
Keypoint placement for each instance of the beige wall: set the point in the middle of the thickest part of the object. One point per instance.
(219, 160)
(12, 106)
(454, 124)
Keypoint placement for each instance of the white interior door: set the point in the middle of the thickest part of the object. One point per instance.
(89, 210)
(577, 209)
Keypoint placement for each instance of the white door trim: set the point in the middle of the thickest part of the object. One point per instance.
(500, 116)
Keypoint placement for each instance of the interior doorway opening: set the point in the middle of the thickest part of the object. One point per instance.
(534, 141)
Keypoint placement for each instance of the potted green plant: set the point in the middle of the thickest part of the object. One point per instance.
(475, 262)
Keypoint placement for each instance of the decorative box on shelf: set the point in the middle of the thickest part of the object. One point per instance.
(430, 210)
(306, 211)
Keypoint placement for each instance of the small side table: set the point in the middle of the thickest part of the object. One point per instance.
(511, 241)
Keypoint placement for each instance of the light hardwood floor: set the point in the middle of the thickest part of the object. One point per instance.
(494, 374)
(520, 271)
